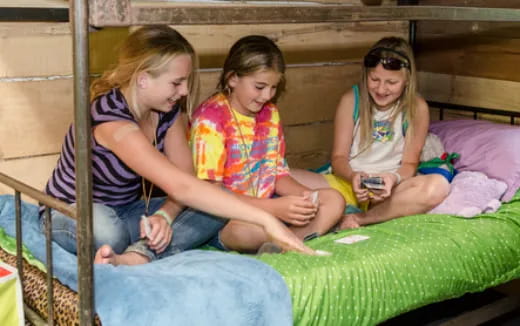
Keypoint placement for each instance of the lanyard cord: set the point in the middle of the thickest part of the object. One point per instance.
(148, 197)
(248, 162)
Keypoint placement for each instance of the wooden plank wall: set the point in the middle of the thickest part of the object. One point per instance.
(470, 63)
(36, 82)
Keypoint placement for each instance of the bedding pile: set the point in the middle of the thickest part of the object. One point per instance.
(374, 273)
(192, 288)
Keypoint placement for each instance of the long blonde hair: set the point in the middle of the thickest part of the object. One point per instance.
(148, 49)
(388, 47)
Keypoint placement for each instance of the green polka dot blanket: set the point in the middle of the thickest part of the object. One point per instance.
(381, 271)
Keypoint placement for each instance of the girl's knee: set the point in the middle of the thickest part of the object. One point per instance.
(109, 229)
(332, 198)
(115, 236)
(243, 237)
(436, 189)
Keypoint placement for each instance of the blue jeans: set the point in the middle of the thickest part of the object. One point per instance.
(118, 226)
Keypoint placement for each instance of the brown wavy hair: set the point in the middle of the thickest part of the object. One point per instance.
(251, 54)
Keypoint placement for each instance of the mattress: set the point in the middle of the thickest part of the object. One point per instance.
(378, 272)
(401, 265)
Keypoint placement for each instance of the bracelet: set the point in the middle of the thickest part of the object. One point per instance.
(164, 214)
(397, 176)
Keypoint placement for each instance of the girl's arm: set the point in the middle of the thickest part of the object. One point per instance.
(295, 208)
(343, 138)
(177, 151)
(133, 148)
(414, 144)
(343, 133)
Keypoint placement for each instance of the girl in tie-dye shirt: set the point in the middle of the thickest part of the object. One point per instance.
(237, 141)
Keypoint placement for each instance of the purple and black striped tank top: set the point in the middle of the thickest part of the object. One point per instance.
(114, 183)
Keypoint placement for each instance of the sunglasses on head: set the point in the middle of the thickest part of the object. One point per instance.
(375, 57)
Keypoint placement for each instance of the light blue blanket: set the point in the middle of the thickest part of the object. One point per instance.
(192, 288)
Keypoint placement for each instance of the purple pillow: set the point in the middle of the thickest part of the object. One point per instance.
(487, 147)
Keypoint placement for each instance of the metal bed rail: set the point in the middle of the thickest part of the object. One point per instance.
(49, 202)
(442, 106)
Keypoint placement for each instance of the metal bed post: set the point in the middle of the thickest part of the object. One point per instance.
(412, 24)
(82, 133)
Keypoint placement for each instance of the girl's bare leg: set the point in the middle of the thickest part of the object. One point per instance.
(105, 255)
(245, 237)
(309, 179)
(413, 196)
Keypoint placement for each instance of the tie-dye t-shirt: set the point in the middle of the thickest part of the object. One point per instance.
(246, 158)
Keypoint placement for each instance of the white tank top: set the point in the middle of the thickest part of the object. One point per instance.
(386, 151)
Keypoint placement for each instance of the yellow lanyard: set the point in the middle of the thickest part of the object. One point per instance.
(148, 197)
(248, 162)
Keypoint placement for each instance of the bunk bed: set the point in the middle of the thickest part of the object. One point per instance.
(301, 274)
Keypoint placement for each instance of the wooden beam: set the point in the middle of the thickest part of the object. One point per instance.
(124, 12)
(22, 14)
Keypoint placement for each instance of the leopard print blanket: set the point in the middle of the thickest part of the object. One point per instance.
(66, 301)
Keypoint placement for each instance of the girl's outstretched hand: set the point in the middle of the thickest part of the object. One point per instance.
(284, 238)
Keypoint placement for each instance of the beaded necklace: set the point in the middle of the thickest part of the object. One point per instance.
(248, 156)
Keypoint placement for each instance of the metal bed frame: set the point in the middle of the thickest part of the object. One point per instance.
(103, 13)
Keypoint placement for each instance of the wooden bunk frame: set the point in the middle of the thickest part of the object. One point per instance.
(103, 13)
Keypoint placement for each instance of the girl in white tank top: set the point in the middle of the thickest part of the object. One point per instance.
(380, 129)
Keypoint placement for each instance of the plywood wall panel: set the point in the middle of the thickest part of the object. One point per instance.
(309, 146)
(313, 93)
(453, 48)
(301, 43)
(471, 91)
(34, 116)
(35, 49)
(34, 171)
(477, 49)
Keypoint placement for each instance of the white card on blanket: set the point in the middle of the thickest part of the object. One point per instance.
(323, 253)
(352, 239)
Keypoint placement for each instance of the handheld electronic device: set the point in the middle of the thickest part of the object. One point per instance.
(373, 183)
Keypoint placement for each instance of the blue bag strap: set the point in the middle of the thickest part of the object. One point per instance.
(355, 114)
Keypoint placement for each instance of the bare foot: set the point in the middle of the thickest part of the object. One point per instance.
(349, 221)
(106, 255)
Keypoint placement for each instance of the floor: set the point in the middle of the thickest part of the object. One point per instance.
(438, 313)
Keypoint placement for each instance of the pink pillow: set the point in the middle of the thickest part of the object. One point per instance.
(487, 147)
